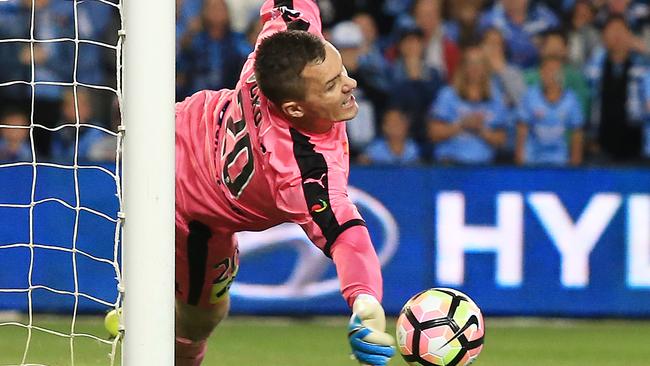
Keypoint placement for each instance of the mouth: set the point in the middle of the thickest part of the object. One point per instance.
(349, 102)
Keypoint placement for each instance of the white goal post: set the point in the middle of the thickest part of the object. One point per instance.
(148, 237)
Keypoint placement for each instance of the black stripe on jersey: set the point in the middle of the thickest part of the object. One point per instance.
(279, 3)
(221, 114)
(298, 24)
(315, 186)
(291, 17)
(341, 229)
(197, 255)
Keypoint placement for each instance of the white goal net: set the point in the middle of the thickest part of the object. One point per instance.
(61, 204)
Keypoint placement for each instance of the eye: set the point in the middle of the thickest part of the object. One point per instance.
(330, 86)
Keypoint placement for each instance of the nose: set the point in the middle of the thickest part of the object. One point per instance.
(349, 84)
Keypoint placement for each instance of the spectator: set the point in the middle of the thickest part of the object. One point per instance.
(395, 147)
(414, 82)
(216, 54)
(48, 60)
(372, 59)
(14, 138)
(441, 52)
(521, 24)
(554, 45)
(348, 38)
(76, 138)
(463, 26)
(467, 119)
(635, 13)
(507, 82)
(637, 17)
(616, 76)
(583, 37)
(507, 78)
(549, 113)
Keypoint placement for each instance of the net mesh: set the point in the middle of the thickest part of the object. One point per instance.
(33, 194)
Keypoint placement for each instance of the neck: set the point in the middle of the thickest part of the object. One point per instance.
(311, 125)
(396, 145)
(474, 91)
(517, 16)
(618, 56)
(216, 32)
(553, 93)
(13, 145)
(432, 33)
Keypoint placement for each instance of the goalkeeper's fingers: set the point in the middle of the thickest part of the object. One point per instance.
(366, 359)
(360, 342)
(380, 338)
(368, 334)
(369, 347)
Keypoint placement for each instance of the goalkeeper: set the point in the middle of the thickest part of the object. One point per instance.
(273, 150)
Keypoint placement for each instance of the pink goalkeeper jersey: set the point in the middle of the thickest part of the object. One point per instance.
(241, 166)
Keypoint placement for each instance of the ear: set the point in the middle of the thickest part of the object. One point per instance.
(292, 109)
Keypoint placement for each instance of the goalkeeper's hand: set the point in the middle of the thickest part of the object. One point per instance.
(370, 344)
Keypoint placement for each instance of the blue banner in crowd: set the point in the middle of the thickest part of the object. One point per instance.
(561, 242)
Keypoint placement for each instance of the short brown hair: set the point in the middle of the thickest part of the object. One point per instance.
(281, 59)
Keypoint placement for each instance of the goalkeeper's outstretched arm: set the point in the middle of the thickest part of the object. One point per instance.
(359, 273)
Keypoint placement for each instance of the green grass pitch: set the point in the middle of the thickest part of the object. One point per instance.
(244, 341)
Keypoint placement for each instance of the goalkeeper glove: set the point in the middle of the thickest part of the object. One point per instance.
(370, 344)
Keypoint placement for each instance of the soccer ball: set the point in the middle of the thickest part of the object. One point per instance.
(440, 327)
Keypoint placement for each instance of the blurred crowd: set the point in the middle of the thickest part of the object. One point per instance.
(557, 82)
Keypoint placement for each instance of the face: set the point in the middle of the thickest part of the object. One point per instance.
(15, 135)
(427, 15)
(368, 27)
(215, 13)
(582, 15)
(616, 36)
(474, 64)
(550, 73)
(328, 90)
(554, 46)
(395, 126)
(411, 46)
(465, 11)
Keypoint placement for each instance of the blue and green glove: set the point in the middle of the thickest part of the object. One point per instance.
(371, 345)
